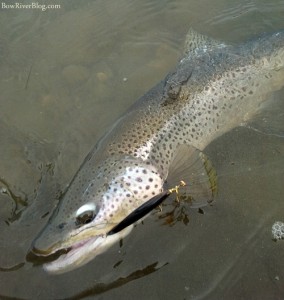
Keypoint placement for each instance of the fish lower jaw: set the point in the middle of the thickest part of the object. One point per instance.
(82, 252)
(70, 259)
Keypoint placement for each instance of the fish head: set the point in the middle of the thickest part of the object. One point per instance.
(95, 202)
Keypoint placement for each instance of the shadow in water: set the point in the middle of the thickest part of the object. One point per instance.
(103, 287)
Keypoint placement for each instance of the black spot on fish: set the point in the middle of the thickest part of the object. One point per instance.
(61, 225)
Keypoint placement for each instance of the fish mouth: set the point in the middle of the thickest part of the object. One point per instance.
(40, 257)
(61, 260)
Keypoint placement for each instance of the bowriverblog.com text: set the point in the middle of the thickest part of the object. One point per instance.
(33, 5)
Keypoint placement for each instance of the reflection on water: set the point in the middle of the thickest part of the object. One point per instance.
(66, 75)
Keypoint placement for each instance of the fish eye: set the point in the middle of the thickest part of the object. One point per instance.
(85, 218)
(85, 214)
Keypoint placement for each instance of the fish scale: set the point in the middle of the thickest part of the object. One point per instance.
(213, 89)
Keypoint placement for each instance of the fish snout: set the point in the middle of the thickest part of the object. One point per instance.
(45, 244)
(39, 256)
(40, 252)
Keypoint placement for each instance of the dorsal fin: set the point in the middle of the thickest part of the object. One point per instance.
(195, 42)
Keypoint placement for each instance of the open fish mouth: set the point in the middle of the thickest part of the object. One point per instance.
(37, 257)
(61, 260)
(75, 255)
(57, 259)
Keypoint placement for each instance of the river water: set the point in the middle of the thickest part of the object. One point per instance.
(66, 74)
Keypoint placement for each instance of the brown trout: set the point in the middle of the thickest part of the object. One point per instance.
(214, 88)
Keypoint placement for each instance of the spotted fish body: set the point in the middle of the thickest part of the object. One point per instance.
(213, 89)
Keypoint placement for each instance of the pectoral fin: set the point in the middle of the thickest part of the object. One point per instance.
(195, 169)
(189, 166)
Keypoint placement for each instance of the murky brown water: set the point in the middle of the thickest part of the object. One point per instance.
(65, 76)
